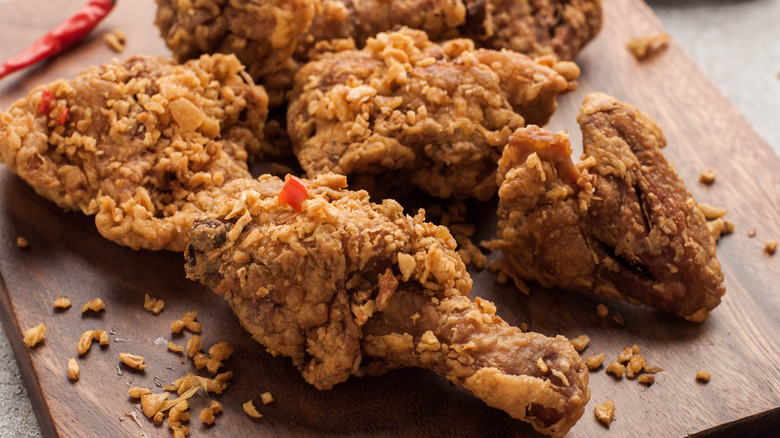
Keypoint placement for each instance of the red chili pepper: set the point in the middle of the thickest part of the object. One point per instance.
(46, 100)
(63, 116)
(295, 190)
(68, 33)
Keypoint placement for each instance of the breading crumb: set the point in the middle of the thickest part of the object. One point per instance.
(625, 355)
(194, 346)
(594, 362)
(137, 392)
(187, 321)
(644, 47)
(95, 305)
(711, 212)
(616, 369)
(34, 335)
(21, 242)
(708, 176)
(647, 379)
(215, 407)
(153, 304)
(702, 376)
(62, 303)
(249, 409)
(207, 416)
(719, 227)
(770, 247)
(523, 327)
(618, 320)
(176, 348)
(652, 369)
(266, 397)
(116, 40)
(580, 343)
(605, 412)
(602, 310)
(133, 361)
(751, 232)
(74, 371)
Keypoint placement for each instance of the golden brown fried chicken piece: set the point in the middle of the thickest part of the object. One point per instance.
(534, 27)
(263, 34)
(346, 286)
(435, 115)
(140, 144)
(624, 226)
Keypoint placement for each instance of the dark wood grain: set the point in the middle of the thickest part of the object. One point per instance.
(66, 256)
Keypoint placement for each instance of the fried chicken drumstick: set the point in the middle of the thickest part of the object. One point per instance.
(142, 145)
(348, 287)
(624, 226)
(407, 109)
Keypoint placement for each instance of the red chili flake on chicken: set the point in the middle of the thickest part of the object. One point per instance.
(46, 100)
(295, 190)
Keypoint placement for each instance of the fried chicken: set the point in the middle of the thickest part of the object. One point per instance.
(534, 27)
(435, 115)
(348, 287)
(621, 223)
(142, 144)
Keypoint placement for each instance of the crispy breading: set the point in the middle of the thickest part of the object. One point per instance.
(620, 224)
(325, 287)
(410, 110)
(144, 143)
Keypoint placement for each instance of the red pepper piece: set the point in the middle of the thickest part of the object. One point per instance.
(295, 190)
(66, 34)
(63, 116)
(46, 100)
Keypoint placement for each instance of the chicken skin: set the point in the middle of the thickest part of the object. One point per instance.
(348, 287)
(620, 224)
(142, 144)
(409, 110)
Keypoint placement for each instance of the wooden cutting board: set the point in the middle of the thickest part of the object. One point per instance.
(67, 257)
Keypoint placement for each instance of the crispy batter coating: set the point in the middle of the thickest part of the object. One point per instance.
(263, 34)
(534, 27)
(436, 115)
(140, 144)
(624, 226)
(346, 286)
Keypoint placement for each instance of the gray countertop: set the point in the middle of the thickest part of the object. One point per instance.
(735, 42)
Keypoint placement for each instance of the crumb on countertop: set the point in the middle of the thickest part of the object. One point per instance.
(712, 212)
(719, 227)
(602, 310)
(708, 176)
(74, 372)
(770, 247)
(187, 321)
(153, 304)
(594, 362)
(703, 376)
(21, 242)
(616, 369)
(133, 361)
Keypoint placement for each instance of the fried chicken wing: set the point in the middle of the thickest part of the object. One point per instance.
(619, 224)
(140, 144)
(348, 287)
(534, 27)
(436, 115)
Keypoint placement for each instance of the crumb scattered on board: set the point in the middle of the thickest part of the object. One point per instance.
(719, 227)
(34, 335)
(116, 40)
(580, 343)
(751, 232)
(708, 176)
(770, 247)
(643, 47)
(702, 376)
(21, 242)
(605, 412)
(133, 361)
(74, 372)
(595, 361)
(187, 321)
(602, 310)
(153, 304)
(62, 303)
(250, 410)
(95, 305)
